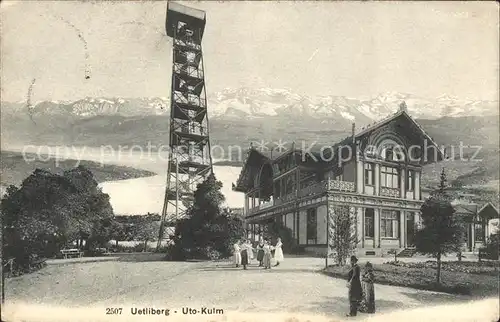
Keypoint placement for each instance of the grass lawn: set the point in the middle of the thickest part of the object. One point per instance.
(466, 278)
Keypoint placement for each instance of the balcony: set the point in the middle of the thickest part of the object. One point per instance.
(263, 205)
(390, 192)
(345, 186)
(316, 189)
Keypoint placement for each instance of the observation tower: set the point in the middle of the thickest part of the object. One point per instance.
(190, 161)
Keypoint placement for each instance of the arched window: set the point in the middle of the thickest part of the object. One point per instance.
(389, 150)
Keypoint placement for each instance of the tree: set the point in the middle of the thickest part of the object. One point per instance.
(208, 231)
(441, 231)
(103, 230)
(50, 210)
(493, 243)
(276, 229)
(342, 238)
(147, 229)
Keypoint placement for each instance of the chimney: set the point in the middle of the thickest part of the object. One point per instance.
(403, 107)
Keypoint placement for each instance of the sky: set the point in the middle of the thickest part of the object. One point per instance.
(313, 48)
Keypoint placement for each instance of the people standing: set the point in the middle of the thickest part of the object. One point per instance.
(237, 254)
(250, 251)
(244, 254)
(368, 302)
(260, 252)
(354, 285)
(267, 255)
(278, 253)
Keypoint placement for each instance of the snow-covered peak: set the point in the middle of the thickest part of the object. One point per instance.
(251, 103)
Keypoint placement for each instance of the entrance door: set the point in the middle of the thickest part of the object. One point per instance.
(410, 229)
(469, 236)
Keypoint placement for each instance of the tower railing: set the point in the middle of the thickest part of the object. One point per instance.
(191, 161)
(191, 99)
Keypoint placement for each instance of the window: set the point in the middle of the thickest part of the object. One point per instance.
(410, 180)
(312, 219)
(369, 174)
(393, 153)
(389, 224)
(479, 232)
(389, 154)
(339, 174)
(389, 177)
(369, 222)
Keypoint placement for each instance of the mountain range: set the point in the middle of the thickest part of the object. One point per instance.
(259, 103)
(240, 116)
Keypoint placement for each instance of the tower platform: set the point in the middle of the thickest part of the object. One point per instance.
(178, 13)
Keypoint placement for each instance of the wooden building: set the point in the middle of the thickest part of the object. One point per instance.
(478, 220)
(374, 173)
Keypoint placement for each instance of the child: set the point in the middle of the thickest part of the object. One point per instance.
(368, 302)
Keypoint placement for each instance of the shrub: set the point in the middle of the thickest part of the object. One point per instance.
(277, 229)
(488, 268)
(208, 231)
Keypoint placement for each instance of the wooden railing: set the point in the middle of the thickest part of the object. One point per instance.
(266, 204)
(390, 192)
(285, 199)
(312, 190)
(338, 185)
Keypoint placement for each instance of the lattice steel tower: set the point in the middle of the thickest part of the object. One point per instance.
(190, 160)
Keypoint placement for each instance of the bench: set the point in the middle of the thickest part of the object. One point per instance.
(74, 252)
(103, 251)
(38, 263)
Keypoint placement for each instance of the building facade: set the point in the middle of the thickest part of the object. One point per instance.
(477, 220)
(374, 174)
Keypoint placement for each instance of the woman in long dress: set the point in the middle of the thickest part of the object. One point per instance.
(250, 251)
(244, 254)
(368, 303)
(354, 285)
(260, 252)
(267, 255)
(237, 254)
(278, 252)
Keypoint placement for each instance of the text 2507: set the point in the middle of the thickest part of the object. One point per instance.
(113, 310)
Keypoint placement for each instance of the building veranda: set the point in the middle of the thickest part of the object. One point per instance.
(374, 173)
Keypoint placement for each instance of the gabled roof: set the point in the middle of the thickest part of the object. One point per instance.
(245, 171)
(401, 113)
(276, 152)
(262, 156)
(487, 206)
(466, 208)
(394, 116)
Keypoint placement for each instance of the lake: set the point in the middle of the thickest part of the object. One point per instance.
(141, 195)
